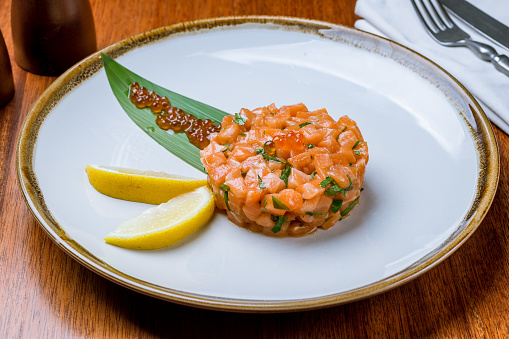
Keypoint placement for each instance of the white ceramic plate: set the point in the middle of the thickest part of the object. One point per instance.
(431, 177)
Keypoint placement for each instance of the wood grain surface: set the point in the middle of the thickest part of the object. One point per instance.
(46, 294)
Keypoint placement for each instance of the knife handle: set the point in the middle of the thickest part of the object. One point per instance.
(488, 53)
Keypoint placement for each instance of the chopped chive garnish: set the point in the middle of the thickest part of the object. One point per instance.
(336, 205)
(344, 129)
(225, 188)
(315, 213)
(264, 205)
(286, 173)
(334, 189)
(350, 186)
(268, 157)
(242, 134)
(260, 182)
(226, 200)
(328, 218)
(349, 208)
(273, 217)
(313, 175)
(327, 181)
(357, 152)
(278, 204)
(239, 119)
(311, 146)
(358, 142)
(304, 124)
(279, 223)
(227, 145)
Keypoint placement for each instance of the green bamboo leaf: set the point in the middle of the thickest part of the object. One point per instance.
(120, 79)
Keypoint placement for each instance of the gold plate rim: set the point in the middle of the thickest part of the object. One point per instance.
(83, 70)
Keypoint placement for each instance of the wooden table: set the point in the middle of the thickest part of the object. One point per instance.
(44, 293)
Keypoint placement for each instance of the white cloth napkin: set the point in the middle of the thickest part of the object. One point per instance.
(397, 20)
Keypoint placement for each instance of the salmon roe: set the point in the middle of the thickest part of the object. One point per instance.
(292, 141)
(169, 117)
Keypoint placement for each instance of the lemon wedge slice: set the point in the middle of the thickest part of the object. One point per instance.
(166, 224)
(140, 186)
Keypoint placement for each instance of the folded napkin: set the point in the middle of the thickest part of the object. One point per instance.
(397, 20)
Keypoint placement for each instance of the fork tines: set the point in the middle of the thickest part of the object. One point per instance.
(433, 15)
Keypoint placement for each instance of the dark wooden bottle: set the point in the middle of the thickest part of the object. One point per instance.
(51, 35)
(6, 81)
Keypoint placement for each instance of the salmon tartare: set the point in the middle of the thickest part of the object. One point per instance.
(286, 171)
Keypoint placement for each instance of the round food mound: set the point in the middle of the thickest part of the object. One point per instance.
(286, 171)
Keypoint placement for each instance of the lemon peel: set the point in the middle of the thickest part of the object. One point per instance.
(166, 224)
(140, 186)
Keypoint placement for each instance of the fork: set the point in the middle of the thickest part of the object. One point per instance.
(441, 28)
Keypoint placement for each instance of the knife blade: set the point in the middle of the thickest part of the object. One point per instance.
(485, 24)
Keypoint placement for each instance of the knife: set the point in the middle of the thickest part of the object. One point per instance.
(484, 23)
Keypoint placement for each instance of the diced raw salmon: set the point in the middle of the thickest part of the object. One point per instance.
(216, 159)
(311, 148)
(265, 220)
(323, 160)
(309, 205)
(310, 190)
(340, 158)
(237, 187)
(273, 122)
(347, 139)
(251, 211)
(311, 134)
(330, 143)
(300, 160)
(228, 134)
(253, 197)
(295, 109)
(217, 174)
(297, 178)
(291, 198)
(341, 175)
(273, 183)
(268, 205)
(324, 204)
(242, 151)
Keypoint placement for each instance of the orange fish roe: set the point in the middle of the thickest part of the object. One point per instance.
(286, 171)
(197, 130)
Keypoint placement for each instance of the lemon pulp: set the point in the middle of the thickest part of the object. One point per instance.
(166, 224)
(140, 186)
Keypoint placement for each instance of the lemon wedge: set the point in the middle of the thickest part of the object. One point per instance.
(140, 186)
(166, 224)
